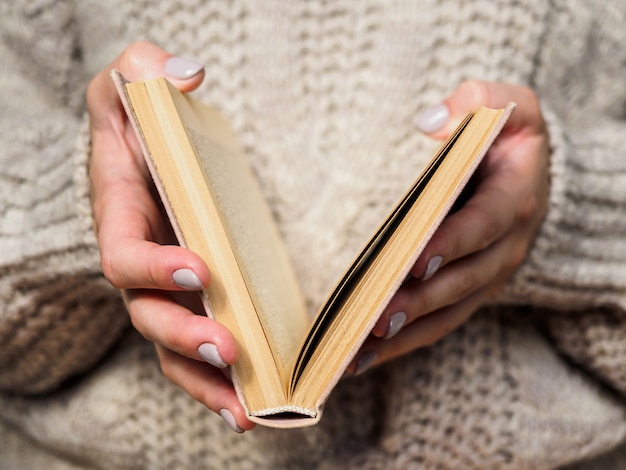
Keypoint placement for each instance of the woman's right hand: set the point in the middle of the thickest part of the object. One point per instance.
(133, 236)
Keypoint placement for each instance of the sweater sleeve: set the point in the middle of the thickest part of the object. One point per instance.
(579, 256)
(576, 270)
(58, 315)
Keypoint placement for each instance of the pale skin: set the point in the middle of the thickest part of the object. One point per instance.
(480, 245)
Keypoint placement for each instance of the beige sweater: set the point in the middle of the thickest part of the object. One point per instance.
(323, 96)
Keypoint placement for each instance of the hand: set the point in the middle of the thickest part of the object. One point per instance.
(476, 249)
(133, 232)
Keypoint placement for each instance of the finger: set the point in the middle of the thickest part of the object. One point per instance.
(128, 225)
(130, 262)
(113, 142)
(422, 332)
(484, 219)
(115, 153)
(207, 385)
(168, 323)
(140, 61)
(501, 198)
(453, 284)
(472, 94)
(125, 214)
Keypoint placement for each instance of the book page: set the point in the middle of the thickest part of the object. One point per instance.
(195, 158)
(261, 255)
(345, 286)
(386, 260)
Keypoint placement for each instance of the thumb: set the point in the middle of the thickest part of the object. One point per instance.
(139, 61)
(144, 60)
(440, 120)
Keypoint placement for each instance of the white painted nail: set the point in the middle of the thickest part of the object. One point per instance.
(396, 322)
(177, 67)
(433, 119)
(230, 419)
(433, 266)
(209, 352)
(187, 279)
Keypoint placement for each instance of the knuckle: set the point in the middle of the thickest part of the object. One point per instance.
(203, 395)
(139, 320)
(453, 241)
(527, 210)
(437, 334)
(465, 283)
(133, 59)
(175, 344)
(154, 267)
(529, 99)
(517, 257)
(445, 328)
(487, 227)
(475, 91)
(174, 340)
(488, 231)
(430, 340)
(153, 277)
(420, 304)
(167, 368)
(529, 96)
(108, 265)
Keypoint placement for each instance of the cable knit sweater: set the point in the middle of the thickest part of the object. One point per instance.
(323, 96)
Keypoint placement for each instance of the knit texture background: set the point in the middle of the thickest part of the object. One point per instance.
(323, 96)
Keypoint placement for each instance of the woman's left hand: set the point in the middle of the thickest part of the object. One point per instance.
(476, 249)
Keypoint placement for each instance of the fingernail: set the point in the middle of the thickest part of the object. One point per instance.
(396, 322)
(433, 119)
(230, 419)
(433, 266)
(364, 362)
(208, 352)
(177, 67)
(187, 279)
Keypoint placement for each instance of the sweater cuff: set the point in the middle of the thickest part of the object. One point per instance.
(59, 315)
(571, 264)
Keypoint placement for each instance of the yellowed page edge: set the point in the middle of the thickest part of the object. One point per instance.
(343, 362)
(241, 379)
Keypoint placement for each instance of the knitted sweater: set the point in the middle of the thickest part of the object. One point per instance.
(323, 96)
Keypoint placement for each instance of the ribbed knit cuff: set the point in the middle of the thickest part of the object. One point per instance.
(59, 315)
(571, 264)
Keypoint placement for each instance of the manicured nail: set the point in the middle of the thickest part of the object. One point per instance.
(208, 352)
(230, 419)
(433, 266)
(177, 67)
(433, 119)
(366, 360)
(396, 322)
(187, 279)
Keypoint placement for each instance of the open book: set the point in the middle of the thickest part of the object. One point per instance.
(288, 363)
